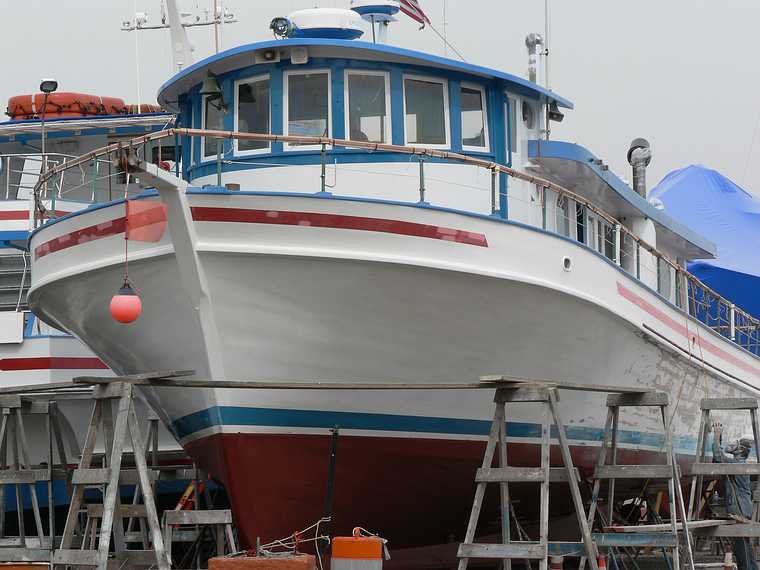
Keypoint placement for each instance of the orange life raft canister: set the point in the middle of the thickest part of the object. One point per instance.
(61, 105)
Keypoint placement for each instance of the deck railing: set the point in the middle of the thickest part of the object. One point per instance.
(608, 236)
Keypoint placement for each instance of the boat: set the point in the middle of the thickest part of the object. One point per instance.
(33, 352)
(359, 212)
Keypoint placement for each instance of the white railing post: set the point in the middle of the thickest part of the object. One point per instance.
(618, 255)
(732, 321)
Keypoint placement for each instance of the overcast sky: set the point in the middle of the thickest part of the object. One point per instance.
(681, 73)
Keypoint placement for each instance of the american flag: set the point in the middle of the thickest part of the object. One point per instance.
(413, 9)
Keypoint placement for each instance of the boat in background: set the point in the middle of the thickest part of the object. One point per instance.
(33, 352)
(361, 212)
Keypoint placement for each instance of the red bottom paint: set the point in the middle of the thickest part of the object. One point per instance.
(411, 491)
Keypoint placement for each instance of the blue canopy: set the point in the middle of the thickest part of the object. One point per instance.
(726, 214)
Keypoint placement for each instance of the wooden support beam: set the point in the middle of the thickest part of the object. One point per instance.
(634, 472)
(729, 404)
(723, 469)
(662, 539)
(525, 550)
(221, 516)
(645, 399)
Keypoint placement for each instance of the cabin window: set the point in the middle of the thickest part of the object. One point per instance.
(213, 120)
(563, 215)
(368, 100)
(307, 105)
(252, 112)
(426, 108)
(474, 121)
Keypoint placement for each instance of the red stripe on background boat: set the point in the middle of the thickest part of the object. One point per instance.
(53, 363)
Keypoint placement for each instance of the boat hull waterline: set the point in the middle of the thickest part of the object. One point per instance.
(305, 288)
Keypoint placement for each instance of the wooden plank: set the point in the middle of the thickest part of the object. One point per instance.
(509, 474)
(561, 384)
(528, 394)
(94, 476)
(24, 555)
(722, 469)
(667, 527)
(134, 378)
(729, 404)
(644, 399)
(137, 511)
(525, 550)
(220, 516)
(664, 539)
(634, 472)
(740, 530)
(71, 557)
(10, 401)
(22, 476)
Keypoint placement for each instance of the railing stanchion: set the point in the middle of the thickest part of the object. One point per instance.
(638, 260)
(218, 162)
(323, 172)
(543, 207)
(618, 249)
(494, 173)
(732, 321)
(7, 172)
(94, 177)
(422, 181)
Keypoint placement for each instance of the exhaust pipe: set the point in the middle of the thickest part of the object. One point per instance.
(532, 42)
(639, 157)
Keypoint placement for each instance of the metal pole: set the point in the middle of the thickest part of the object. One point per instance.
(219, 162)
(217, 18)
(323, 167)
(422, 181)
(493, 190)
(44, 155)
(335, 433)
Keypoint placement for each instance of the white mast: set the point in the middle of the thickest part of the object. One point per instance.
(182, 51)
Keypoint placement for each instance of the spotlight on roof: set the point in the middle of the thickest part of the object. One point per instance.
(554, 113)
(48, 85)
(282, 27)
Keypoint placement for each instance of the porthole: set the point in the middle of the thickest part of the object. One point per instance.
(567, 263)
(528, 115)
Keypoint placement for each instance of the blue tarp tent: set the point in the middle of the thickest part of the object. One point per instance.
(721, 211)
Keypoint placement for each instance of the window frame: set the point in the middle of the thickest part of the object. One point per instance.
(511, 104)
(446, 109)
(286, 75)
(388, 109)
(484, 100)
(208, 157)
(235, 149)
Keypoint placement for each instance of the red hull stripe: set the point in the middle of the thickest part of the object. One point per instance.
(53, 363)
(338, 221)
(277, 217)
(682, 329)
(6, 215)
(78, 237)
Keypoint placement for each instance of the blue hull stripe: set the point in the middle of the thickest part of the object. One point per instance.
(272, 417)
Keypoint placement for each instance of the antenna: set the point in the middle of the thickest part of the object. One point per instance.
(172, 19)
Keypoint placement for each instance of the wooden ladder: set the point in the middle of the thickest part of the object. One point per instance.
(20, 474)
(109, 478)
(509, 549)
(645, 535)
(701, 469)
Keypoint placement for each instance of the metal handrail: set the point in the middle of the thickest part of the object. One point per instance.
(692, 296)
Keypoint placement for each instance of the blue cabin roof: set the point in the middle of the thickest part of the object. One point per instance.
(240, 57)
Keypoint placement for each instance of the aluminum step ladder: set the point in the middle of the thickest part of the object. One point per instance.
(510, 549)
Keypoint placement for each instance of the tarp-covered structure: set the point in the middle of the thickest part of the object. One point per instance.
(714, 206)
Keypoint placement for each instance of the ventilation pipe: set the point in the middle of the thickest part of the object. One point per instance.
(532, 42)
(639, 157)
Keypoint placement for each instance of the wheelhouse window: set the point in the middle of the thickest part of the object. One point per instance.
(368, 100)
(474, 121)
(213, 120)
(252, 112)
(426, 109)
(307, 109)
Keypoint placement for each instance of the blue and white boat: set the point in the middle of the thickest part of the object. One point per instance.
(327, 250)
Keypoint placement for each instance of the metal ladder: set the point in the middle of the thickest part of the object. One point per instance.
(509, 549)
(110, 477)
(645, 535)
